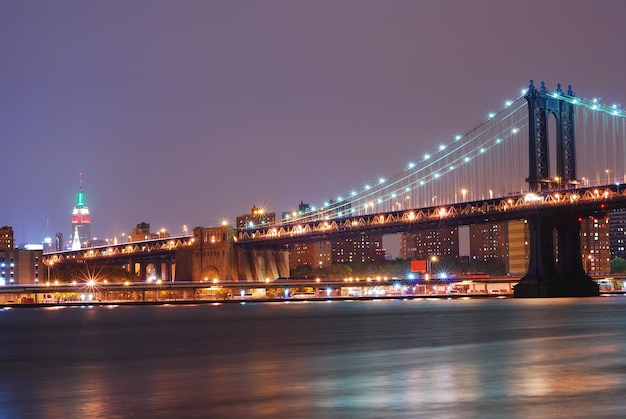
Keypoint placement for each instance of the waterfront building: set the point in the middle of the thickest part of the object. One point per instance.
(358, 248)
(256, 217)
(303, 209)
(315, 254)
(142, 232)
(424, 244)
(617, 233)
(6, 238)
(518, 235)
(20, 266)
(489, 242)
(595, 245)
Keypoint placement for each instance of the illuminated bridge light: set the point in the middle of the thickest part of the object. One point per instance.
(367, 187)
(421, 183)
(451, 168)
(498, 140)
(411, 165)
(426, 156)
(458, 137)
(381, 180)
(442, 147)
(466, 159)
(339, 199)
(407, 189)
(508, 103)
(491, 115)
(393, 195)
(515, 130)
(380, 201)
(436, 175)
(523, 91)
(482, 150)
(353, 193)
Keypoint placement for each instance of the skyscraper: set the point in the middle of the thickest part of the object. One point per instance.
(81, 220)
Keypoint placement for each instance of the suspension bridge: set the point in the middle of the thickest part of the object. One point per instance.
(546, 156)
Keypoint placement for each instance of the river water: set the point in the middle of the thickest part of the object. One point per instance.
(477, 358)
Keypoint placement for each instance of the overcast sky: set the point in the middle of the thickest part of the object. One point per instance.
(189, 112)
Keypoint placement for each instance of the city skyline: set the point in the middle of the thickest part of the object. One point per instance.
(188, 114)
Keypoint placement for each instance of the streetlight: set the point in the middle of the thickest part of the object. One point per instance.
(608, 178)
(463, 193)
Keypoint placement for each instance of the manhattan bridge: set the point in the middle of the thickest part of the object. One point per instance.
(546, 156)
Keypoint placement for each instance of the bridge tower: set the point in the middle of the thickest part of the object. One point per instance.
(541, 106)
(553, 271)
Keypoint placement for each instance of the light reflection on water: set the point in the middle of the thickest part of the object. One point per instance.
(444, 358)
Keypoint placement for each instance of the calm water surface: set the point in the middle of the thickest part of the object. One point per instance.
(489, 358)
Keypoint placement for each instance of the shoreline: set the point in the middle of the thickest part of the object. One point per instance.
(92, 304)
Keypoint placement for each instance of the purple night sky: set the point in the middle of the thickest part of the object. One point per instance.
(189, 112)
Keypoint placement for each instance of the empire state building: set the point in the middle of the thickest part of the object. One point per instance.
(81, 222)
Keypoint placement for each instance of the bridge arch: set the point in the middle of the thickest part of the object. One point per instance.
(210, 273)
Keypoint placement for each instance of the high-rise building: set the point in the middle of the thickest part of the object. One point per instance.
(489, 242)
(59, 244)
(316, 254)
(617, 233)
(257, 217)
(358, 248)
(142, 232)
(423, 244)
(595, 245)
(81, 221)
(6, 238)
(20, 266)
(519, 247)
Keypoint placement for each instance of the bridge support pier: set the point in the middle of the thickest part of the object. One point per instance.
(548, 276)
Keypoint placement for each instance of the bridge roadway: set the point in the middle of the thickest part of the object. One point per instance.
(187, 292)
(197, 291)
(157, 252)
(580, 201)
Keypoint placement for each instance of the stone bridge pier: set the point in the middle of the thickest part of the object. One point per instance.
(216, 255)
(555, 271)
(259, 265)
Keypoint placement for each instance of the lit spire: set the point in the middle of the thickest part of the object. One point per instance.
(80, 199)
(76, 241)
